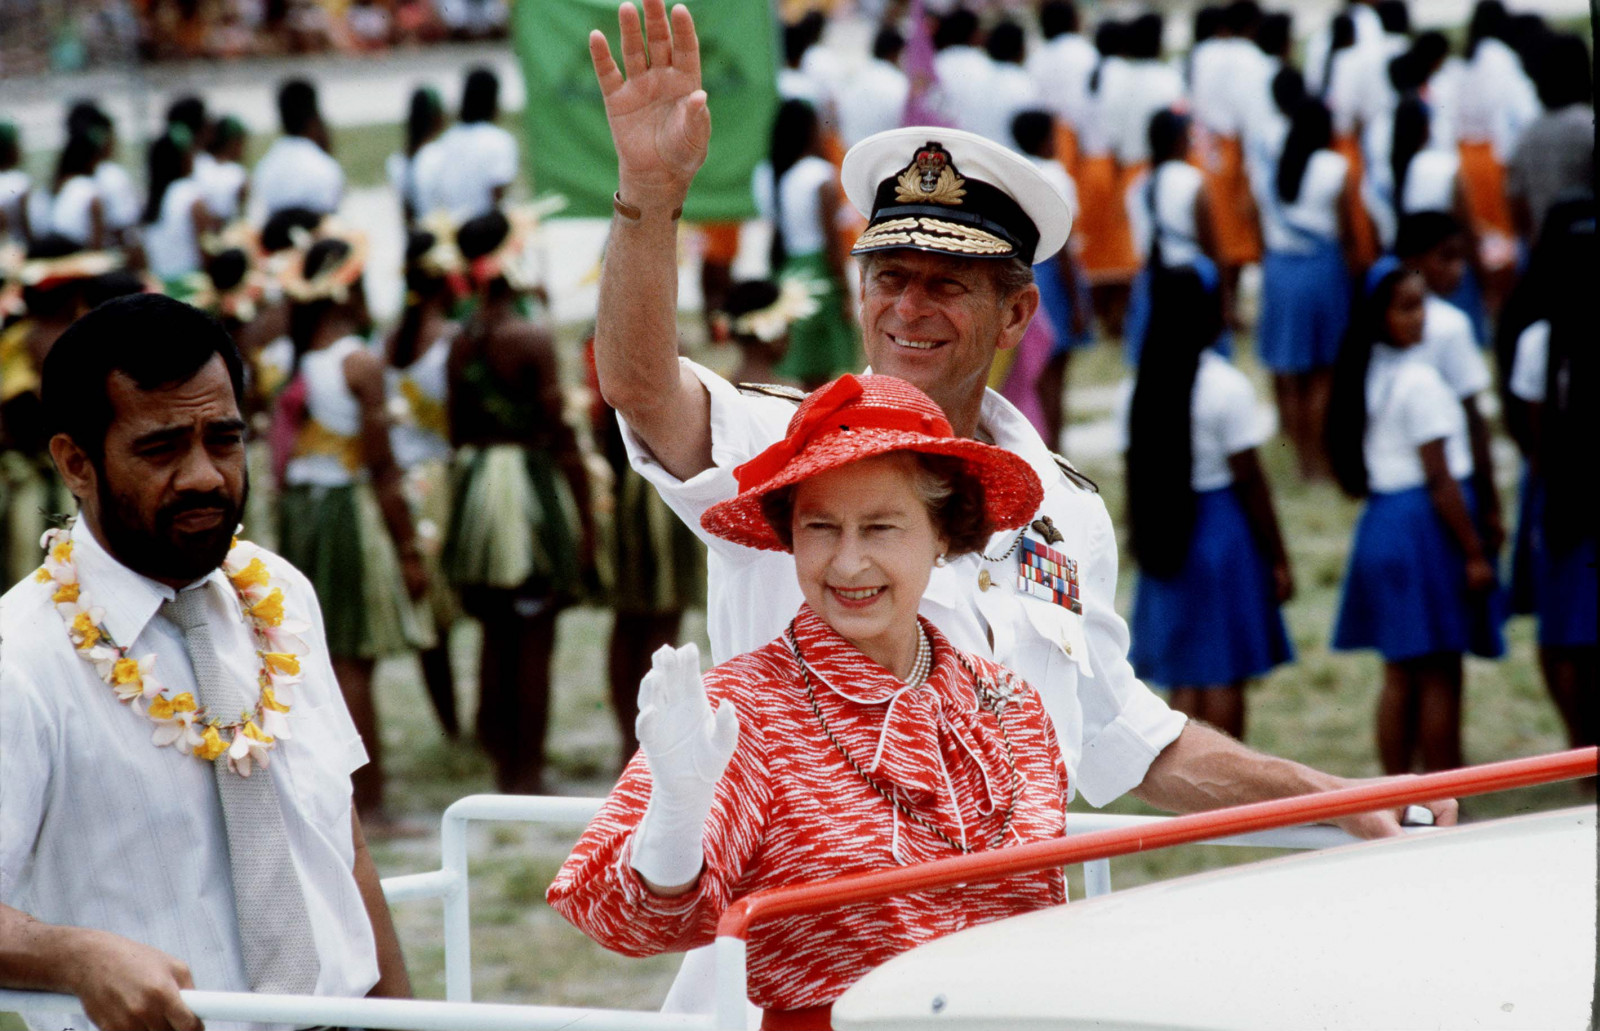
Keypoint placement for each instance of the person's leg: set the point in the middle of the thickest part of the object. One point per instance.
(520, 767)
(1569, 676)
(1397, 718)
(496, 670)
(1286, 392)
(440, 680)
(1051, 388)
(1223, 708)
(634, 638)
(355, 683)
(1438, 679)
(1185, 700)
(1318, 392)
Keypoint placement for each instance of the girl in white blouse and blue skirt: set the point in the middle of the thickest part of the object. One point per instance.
(1419, 588)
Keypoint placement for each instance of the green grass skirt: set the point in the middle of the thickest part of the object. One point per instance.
(30, 492)
(823, 344)
(336, 537)
(512, 523)
(658, 566)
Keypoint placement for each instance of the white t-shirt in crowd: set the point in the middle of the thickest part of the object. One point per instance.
(1369, 33)
(99, 828)
(1530, 369)
(170, 242)
(963, 83)
(1177, 186)
(1056, 174)
(794, 84)
(1409, 405)
(1061, 68)
(222, 186)
(1011, 90)
(1096, 136)
(800, 210)
(1431, 180)
(873, 100)
(1315, 211)
(1451, 347)
(1223, 420)
(1495, 98)
(69, 212)
(123, 201)
(296, 173)
(824, 66)
(460, 171)
(1225, 74)
(1150, 86)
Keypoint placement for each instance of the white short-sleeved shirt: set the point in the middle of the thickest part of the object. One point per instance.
(1061, 68)
(1056, 174)
(1431, 180)
(1530, 369)
(99, 828)
(1011, 90)
(460, 171)
(1096, 131)
(1496, 100)
(1177, 186)
(222, 184)
(873, 100)
(963, 83)
(123, 200)
(296, 173)
(1315, 212)
(69, 212)
(1148, 87)
(1451, 347)
(414, 441)
(170, 241)
(801, 210)
(1223, 420)
(1110, 726)
(1409, 405)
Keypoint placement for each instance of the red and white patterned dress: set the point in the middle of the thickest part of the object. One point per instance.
(790, 809)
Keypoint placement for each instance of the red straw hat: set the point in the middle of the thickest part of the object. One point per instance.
(857, 417)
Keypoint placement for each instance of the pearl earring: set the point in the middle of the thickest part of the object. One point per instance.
(940, 561)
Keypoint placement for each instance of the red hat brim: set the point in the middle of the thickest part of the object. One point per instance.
(1011, 489)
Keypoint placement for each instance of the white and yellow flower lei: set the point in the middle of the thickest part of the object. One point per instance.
(179, 720)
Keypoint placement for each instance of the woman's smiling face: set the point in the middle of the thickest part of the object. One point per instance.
(864, 546)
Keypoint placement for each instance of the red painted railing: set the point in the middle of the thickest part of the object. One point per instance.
(984, 867)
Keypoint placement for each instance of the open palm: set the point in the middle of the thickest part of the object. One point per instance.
(660, 125)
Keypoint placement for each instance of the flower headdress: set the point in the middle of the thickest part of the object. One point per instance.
(796, 300)
(44, 273)
(333, 281)
(512, 260)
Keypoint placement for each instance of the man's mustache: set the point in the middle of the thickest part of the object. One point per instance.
(197, 502)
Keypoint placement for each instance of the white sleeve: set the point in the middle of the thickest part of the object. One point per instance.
(25, 765)
(1125, 725)
(1459, 361)
(1426, 409)
(1241, 426)
(1530, 368)
(502, 164)
(741, 428)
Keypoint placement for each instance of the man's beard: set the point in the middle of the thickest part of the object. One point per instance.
(161, 551)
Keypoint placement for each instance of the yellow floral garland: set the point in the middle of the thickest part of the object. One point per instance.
(179, 719)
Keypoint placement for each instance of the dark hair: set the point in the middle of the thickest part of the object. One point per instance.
(1570, 417)
(1185, 318)
(79, 156)
(170, 158)
(189, 111)
(10, 145)
(152, 339)
(423, 119)
(956, 508)
(108, 286)
(795, 44)
(888, 44)
(1207, 23)
(1410, 136)
(305, 317)
(85, 114)
(1274, 34)
(1430, 49)
(1032, 129)
(297, 107)
(1110, 39)
(1528, 34)
(1057, 18)
(480, 97)
(955, 29)
(1422, 232)
(227, 130)
(226, 269)
(1144, 37)
(1006, 43)
(277, 234)
(1341, 36)
(1395, 17)
(750, 295)
(1345, 433)
(1241, 17)
(1310, 131)
(1288, 90)
(1489, 21)
(794, 134)
(1168, 134)
(481, 235)
(1562, 74)
(421, 287)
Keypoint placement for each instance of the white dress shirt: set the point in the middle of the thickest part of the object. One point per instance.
(1408, 405)
(296, 173)
(873, 100)
(1110, 726)
(460, 171)
(99, 828)
(1061, 68)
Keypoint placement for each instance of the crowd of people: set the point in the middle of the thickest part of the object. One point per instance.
(909, 593)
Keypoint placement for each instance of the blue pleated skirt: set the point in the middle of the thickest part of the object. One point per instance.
(1216, 622)
(1405, 592)
(1137, 321)
(1563, 581)
(1059, 305)
(1305, 306)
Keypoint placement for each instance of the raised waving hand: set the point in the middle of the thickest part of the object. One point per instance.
(660, 125)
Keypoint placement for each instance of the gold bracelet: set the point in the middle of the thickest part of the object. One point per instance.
(633, 214)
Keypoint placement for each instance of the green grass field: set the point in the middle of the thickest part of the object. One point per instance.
(1318, 711)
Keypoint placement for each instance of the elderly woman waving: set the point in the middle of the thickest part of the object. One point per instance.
(859, 739)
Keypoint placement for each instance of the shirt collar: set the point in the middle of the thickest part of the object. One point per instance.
(129, 599)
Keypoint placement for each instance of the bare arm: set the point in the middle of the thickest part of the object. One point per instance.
(393, 981)
(121, 983)
(661, 128)
(1251, 486)
(1206, 769)
(1483, 476)
(363, 371)
(1451, 505)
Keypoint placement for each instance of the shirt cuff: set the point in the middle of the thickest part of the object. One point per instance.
(1117, 759)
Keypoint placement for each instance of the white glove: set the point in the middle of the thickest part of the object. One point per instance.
(687, 748)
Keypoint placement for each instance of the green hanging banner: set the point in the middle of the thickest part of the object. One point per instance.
(569, 144)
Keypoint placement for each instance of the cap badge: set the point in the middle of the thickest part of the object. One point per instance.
(931, 178)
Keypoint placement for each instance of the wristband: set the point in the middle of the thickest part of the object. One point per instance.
(633, 214)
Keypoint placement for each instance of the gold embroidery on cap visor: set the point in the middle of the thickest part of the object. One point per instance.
(933, 234)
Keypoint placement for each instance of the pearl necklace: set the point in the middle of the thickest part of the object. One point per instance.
(923, 665)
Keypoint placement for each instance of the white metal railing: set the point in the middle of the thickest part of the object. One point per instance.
(449, 884)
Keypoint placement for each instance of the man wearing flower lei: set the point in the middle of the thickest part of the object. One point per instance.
(175, 755)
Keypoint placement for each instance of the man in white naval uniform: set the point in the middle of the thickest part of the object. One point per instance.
(946, 284)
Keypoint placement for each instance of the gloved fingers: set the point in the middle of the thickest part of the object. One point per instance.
(725, 730)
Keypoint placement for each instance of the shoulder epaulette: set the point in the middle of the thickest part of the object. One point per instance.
(1072, 474)
(777, 390)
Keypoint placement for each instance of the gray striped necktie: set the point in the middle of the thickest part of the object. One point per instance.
(280, 955)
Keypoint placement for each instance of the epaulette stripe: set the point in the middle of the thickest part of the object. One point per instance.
(778, 390)
(1071, 472)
